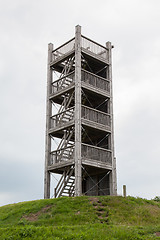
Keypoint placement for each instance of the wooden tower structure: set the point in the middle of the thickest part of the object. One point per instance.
(79, 85)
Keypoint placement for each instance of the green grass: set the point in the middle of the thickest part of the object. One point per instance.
(103, 217)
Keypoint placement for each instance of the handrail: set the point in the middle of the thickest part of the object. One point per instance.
(59, 155)
(93, 74)
(72, 145)
(99, 148)
(94, 42)
(63, 77)
(95, 48)
(63, 44)
(68, 109)
(60, 183)
(95, 110)
(100, 113)
(82, 37)
(92, 109)
(92, 146)
(67, 47)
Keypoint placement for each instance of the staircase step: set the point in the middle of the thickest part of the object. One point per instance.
(65, 83)
(67, 182)
(69, 80)
(68, 187)
(65, 155)
(66, 151)
(69, 113)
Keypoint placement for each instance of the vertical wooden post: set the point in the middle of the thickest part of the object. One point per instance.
(48, 115)
(78, 167)
(113, 175)
(124, 191)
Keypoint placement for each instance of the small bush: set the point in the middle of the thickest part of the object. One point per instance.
(157, 199)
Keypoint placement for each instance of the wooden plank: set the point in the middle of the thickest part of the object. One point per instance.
(95, 89)
(95, 125)
(113, 175)
(48, 115)
(93, 55)
(94, 42)
(61, 91)
(78, 165)
(91, 163)
(61, 127)
(60, 165)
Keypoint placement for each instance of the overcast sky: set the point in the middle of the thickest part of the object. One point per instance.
(26, 28)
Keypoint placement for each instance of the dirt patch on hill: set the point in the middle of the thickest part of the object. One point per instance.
(157, 234)
(100, 210)
(93, 199)
(153, 209)
(34, 216)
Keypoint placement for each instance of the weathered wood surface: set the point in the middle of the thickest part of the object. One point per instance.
(73, 116)
(48, 115)
(78, 163)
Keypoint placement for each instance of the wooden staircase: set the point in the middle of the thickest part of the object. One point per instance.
(66, 184)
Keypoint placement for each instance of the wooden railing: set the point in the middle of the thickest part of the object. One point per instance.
(63, 82)
(95, 81)
(88, 113)
(96, 116)
(88, 152)
(63, 49)
(87, 44)
(87, 77)
(62, 117)
(63, 154)
(96, 153)
(95, 48)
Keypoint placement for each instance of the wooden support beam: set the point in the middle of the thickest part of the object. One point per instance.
(113, 175)
(48, 115)
(78, 167)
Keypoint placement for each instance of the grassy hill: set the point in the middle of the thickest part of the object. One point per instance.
(103, 217)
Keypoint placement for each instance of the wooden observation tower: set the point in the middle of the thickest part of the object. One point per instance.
(79, 86)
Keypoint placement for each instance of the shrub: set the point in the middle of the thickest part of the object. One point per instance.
(157, 199)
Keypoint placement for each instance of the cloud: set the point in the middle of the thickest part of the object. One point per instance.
(19, 180)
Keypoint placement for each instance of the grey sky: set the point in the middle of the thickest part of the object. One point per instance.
(26, 27)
